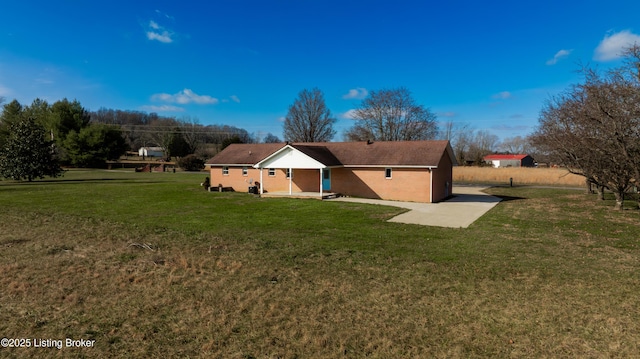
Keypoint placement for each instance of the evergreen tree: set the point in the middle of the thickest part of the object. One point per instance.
(93, 145)
(27, 154)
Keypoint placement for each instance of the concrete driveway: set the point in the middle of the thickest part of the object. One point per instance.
(467, 205)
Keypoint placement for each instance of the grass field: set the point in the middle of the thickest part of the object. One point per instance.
(150, 265)
(520, 176)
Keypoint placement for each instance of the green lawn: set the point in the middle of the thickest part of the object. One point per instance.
(151, 265)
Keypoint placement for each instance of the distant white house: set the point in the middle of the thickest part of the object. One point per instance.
(151, 152)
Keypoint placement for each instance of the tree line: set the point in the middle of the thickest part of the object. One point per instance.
(81, 138)
(394, 115)
(37, 139)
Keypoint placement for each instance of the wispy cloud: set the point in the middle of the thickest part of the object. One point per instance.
(357, 93)
(160, 13)
(184, 97)
(612, 46)
(235, 98)
(502, 95)
(159, 33)
(558, 56)
(163, 108)
(349, 115)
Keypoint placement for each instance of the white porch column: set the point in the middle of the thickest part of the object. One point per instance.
(321, 176)
(290, 177)
(261, 183)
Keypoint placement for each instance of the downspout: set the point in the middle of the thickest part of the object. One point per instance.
(290, 177)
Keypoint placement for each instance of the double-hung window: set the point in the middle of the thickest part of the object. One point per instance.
(225, 170)
(387, 173)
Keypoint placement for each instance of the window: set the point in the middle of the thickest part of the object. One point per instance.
(288, 172)
(245, 171)
(225, 170)
(272, 172)
(387, 173)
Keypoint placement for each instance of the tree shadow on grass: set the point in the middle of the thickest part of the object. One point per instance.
(74, 181)
(508, 198)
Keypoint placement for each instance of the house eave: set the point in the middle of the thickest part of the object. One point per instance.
(390, 166)
(229, 164)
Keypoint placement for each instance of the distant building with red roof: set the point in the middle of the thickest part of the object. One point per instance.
(509, 160)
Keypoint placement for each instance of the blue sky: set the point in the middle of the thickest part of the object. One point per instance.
(490, 65)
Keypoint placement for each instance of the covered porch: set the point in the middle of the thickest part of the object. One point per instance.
(304, 175)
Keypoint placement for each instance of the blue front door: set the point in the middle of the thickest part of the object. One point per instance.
(326, 179)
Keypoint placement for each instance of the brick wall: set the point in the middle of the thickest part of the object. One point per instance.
(405, 184)
(442, 179)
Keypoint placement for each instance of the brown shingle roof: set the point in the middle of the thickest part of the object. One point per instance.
(396, 153)
(244, 153)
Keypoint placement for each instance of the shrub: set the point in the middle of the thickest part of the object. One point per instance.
(191, 163)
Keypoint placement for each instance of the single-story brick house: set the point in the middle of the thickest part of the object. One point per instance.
(521, 160)
(417, 171)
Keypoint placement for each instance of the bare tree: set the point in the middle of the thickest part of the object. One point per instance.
(392, 115)
(192, 133)
(309, 119)
(271, 138)
(594, 129)
(460, 135)
(482, 143)
(515, 145)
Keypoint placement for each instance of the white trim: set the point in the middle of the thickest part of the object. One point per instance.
(431, 185)
(261, 183)
(289, 157)
(225, 169)
(269, 172)
(290, 179)
(245, 171)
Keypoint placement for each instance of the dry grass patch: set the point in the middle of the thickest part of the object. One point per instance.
(520, 176)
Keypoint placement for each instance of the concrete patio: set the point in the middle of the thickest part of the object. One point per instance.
(467, 205)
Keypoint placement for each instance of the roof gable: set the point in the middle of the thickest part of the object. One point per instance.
(290, 157)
